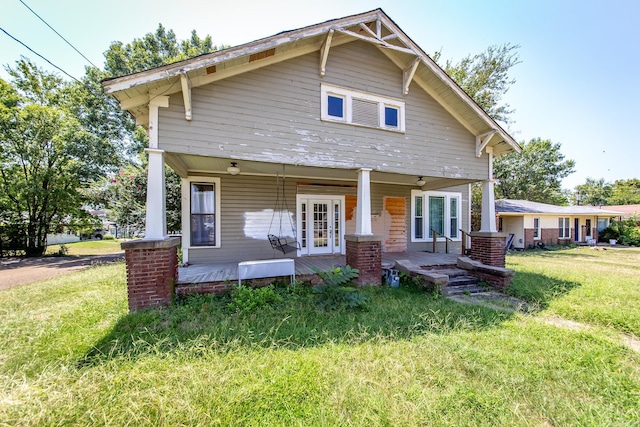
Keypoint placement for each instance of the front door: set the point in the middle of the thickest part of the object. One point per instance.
(321, 222)
(576, 228)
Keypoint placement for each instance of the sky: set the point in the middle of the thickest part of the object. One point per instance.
(578, 82)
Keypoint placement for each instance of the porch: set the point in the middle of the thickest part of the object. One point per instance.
(228, 271)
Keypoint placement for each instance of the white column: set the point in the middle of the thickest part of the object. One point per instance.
(156, 219)
(488, 219)
(363, 209)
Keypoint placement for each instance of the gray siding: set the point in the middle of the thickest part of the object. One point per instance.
(273, 115)
(245, 198)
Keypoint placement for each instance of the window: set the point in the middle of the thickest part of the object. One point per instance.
(442, 215)
(201, 213)
(536, 228)
(602, 224)
(564, 228)
(361, 109)
(335, 106)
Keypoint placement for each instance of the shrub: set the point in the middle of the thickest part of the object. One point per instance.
(108, 237)
(626, 232)
(246, 299)
(334, 294)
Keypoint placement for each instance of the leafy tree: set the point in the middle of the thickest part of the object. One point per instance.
(46, 153)
(534, 175)
(593, 192)
(625, 192)
(485, 77)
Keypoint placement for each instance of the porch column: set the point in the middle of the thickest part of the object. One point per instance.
(363, 249)
(488, 214)
(156, 218)
(363, 207)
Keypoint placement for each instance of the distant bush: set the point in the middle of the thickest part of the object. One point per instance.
(626, 232)
(108, 237)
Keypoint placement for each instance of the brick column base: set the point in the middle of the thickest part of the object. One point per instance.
(365, 254)
(488, 248)
(152, 271)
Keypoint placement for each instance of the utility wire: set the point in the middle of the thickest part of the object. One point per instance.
(51, 63)
(60, 35)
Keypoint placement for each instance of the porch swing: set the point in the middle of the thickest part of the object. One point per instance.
(280, 242)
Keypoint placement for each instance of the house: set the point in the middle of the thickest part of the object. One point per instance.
(532, 223)
(366, 140)
(626, 211)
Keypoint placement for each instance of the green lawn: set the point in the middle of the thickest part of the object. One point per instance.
(71, 355)
(87, 247)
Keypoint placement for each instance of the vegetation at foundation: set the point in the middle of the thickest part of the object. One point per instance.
(338, 291)
(70, 354)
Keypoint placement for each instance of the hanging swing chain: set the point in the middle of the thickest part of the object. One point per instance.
(281, 206)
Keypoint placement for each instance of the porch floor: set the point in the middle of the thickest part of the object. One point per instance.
(222, 271)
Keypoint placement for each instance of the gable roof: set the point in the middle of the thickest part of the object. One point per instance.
(135, 90)
(507, 206)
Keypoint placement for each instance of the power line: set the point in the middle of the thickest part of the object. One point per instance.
(51, 63)
(60, 35)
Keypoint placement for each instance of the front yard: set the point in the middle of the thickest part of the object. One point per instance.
(71, 355)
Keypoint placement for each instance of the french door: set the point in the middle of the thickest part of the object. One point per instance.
(321, 224)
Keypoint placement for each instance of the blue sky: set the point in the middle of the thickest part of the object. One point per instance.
(578, 83)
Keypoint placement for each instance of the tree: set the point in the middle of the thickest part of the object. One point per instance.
(625, 192)
(485, 77)
(534, 175)
(595, 192)
(46, 154)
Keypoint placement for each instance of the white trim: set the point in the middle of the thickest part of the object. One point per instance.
(186, 213)
(448, 195)
(348, 95)
(565, 220)
(536, 230)
(307, 198)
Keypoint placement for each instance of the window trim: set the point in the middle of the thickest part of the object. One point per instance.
(562, 230)
(348, 95)
(536, 230)
(448, 195)
(186, 211)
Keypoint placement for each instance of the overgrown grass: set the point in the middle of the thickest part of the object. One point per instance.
(87, 247)
(599, 287)
(71, 355)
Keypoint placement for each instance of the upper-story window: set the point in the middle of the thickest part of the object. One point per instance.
(361, 109)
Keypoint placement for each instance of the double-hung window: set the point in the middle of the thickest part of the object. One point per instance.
(435, 211)
(201, 215)
(361, 109)
(564, 228)
(536, 228)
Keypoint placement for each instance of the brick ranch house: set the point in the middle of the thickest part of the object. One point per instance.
(371, 143)
(533, 223)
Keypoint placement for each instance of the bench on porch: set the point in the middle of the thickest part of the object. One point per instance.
(266, 268)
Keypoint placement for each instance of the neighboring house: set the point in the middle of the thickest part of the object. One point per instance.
(626, 211)
(532, 223)
(62, 238)
(358, 129)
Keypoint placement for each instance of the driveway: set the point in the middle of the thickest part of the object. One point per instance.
(20, 271)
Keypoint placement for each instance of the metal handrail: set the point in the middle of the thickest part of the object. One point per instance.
(464, 240)
(435, 239)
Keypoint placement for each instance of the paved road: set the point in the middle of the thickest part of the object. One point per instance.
(20, 271)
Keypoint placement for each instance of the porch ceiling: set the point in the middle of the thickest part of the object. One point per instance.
(191, 165)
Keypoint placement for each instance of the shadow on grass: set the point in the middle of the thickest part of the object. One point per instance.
(201, 324)
(539, 289)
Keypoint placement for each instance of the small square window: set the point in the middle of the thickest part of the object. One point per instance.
(391, 117)
(335, 106)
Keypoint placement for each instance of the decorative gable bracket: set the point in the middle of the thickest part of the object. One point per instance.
(482, 141)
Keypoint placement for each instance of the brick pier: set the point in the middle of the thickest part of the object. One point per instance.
(365, 254)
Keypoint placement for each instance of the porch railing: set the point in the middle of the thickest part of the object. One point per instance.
(435, 240)
(465, 235)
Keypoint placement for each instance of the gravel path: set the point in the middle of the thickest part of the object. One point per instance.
(20, 271)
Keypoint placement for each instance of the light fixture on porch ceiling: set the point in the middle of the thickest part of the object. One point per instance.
(233, 169)
(420, 182)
